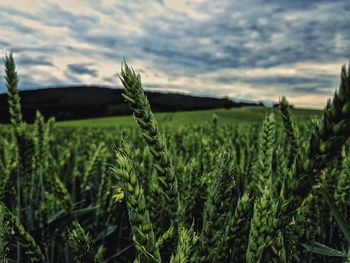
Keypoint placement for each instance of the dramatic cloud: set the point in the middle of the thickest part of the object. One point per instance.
(82, 69)
(248, 50)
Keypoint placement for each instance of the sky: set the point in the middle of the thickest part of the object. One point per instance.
(246, 50)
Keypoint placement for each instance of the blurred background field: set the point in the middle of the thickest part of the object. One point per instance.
(226, 116)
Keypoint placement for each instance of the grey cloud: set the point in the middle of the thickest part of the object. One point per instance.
(82, 69)
(312, 89)
(28, 61)
(236, 35)
(4, 10)
(14, 25)
(325, 80)
(56, 16)
(71, 77)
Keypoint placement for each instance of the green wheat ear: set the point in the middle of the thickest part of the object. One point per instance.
(138, 102)
(324, 144)
(237, 231)
(31, 249)
(216, 209)
(262, 227)
(12, 81)
(140, 222)
(81, 243)
(266, 150)
(185, 246)
(290, 129)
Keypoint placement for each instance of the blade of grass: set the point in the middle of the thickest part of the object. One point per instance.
(341, 221)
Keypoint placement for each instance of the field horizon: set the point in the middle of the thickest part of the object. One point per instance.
(225, 116)
(149, 187)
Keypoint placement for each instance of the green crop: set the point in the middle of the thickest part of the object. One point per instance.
(211, 190)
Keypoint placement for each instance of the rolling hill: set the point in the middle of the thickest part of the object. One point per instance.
(85, 102)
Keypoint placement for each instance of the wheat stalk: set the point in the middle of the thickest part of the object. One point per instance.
(12, 81)
(237, 231)
(184, 251)
(216, 209)
(141, 225)
(138, 102)
(324, 144)
(31, 249)
(82, 244)
(290, 129)
(266, 149)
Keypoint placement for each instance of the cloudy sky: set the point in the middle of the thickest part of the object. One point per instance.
(247, 50)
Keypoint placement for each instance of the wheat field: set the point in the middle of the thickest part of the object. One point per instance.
(272, 190)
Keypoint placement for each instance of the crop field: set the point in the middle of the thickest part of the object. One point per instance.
(253, 115)
(228, 185)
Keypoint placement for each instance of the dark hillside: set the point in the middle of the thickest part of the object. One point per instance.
(92, 101)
